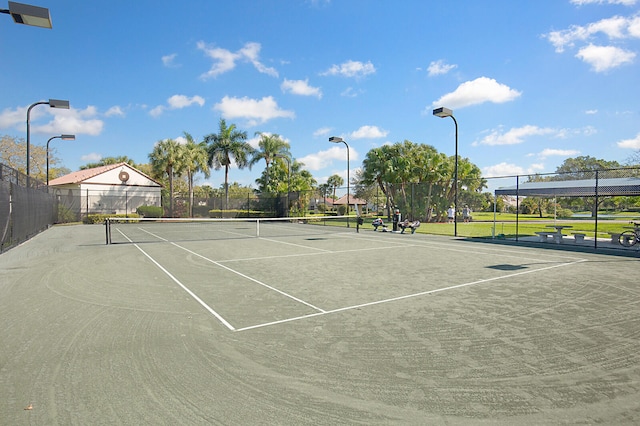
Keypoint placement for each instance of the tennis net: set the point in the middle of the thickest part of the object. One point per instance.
(147, 230)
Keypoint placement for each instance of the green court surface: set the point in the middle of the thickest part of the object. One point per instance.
(310, 328)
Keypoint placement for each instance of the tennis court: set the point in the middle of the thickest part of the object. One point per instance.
(310, 324)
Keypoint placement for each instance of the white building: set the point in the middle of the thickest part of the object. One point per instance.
(113, 189)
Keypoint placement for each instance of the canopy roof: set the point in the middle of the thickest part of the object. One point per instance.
(575, 188)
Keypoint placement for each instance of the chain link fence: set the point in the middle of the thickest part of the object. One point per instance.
(26, 208)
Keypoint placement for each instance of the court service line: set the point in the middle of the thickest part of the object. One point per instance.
(191, 293)
(223, 267)
(408, 296)
(251, 279)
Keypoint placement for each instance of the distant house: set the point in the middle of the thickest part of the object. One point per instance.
(315, 203)
(113, 189)
(354, 202)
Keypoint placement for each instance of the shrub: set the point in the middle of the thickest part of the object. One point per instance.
(150, 211)
(564, 213)
(100, 218)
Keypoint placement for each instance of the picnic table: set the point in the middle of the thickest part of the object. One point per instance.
(557, 235)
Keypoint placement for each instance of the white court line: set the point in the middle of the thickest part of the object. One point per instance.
(223, 267)
(250, 278)
(408, 296)
(192, 294)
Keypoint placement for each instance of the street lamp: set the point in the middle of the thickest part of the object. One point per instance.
(336, 139)
(288, 177)
(443, 112)
(53, 103)
(29, 15)
(64, 138)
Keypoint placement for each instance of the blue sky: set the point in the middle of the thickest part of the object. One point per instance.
(531, 83)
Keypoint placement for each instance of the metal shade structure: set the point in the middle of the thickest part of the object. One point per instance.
(629, 186)
(29, 15)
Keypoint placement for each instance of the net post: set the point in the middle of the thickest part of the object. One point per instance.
(107, 228)
(258, 227)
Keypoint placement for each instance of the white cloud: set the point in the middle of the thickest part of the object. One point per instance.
(322, 159)
(368, 132)
(225, 60)
(12, 118)
(480, 90)
(157, 111)
(323, 131)
(591, 112)
(177, 102)
(92, 157)
(114, 110)
(182, 101)
(168, 60)
(300, 87)
(502, 169)
(617, 27)
(550, 152)
(351, 69)
(604, 58)
(630, 143)
(622, 2)
(439, 67)
(508, 169)
(254, 110)
(73, 122)
(513, 136)
(350, 92)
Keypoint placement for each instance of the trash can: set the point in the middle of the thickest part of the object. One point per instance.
(396, 219)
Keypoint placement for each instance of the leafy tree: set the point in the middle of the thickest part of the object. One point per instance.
(166, 158)
(13, 153)
(582, 167)
(269, 147)
(227, 146)
(194, 159)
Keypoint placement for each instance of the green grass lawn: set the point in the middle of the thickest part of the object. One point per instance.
(527, 225)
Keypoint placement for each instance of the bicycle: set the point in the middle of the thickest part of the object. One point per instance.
(630, 238)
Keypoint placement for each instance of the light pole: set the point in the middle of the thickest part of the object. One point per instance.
(53, 103)
(443, 112)
(336, 139)
(288, 178)
(29, 15)
(64, 138)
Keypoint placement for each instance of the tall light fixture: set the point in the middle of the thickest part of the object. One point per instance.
(288, 177)
(443, 112)
(336, 139)
(29, 15)
(53, 103)
(64, 138)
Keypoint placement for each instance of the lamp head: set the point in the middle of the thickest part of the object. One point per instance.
(336, 139)
(57, 103)
(68, 137)
(443, 112)
(30, 15)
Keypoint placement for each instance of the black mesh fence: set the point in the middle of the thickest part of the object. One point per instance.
(26, 208)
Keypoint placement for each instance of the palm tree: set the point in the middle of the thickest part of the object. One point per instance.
(166, 158)
(228, 145)
(195, 159)
(270, 147)
(334, 181)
